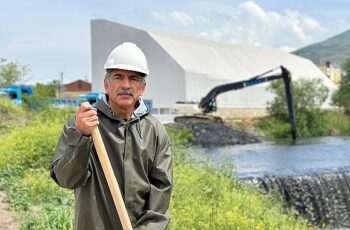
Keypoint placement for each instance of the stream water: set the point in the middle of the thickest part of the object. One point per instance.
(312, 175)
(314, 155)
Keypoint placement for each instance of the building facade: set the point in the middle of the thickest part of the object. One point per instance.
(184, 68)
(74, 89)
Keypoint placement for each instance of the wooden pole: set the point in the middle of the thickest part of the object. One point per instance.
(111, 179)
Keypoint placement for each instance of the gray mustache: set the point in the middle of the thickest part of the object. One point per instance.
(126, 92)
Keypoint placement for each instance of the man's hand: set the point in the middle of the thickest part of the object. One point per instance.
(86, 119)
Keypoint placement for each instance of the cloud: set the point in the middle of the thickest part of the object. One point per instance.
(246, 23)
(177, 17)
(302, 26)
(286, 49)
(251, 8)
(288, 28)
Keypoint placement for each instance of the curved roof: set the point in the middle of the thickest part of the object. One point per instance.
(185, 68)
(232, 62)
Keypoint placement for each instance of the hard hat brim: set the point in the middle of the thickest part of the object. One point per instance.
(127, 67)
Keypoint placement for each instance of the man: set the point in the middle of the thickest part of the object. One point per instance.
(137, 145)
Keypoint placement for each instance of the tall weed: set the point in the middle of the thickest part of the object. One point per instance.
(206, 198)
(33, 146)
(203, 196)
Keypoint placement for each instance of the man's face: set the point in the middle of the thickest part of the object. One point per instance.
(124, 88)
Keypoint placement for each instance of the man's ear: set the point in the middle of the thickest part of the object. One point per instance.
(105, 84)
(143, 88)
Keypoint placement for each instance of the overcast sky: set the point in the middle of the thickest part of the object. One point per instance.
(54, 36)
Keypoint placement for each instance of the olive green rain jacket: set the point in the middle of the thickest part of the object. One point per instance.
(140, 155)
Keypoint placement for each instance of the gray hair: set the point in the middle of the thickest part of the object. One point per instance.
(109, 72)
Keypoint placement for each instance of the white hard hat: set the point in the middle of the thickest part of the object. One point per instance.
(127, 56)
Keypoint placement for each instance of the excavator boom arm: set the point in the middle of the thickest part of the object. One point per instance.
(208, 103)
(233, 86)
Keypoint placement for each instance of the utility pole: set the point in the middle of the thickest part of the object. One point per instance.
(61, 86)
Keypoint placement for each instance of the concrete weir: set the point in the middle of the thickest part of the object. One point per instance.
(324, 199)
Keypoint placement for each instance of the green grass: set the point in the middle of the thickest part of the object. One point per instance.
(339, 124)
(11, 116)
(39, 203)
(204, 197)
(25, 155)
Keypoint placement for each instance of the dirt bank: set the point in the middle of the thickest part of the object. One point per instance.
(7, 218)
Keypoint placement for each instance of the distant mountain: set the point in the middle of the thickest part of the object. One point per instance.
(334, 50)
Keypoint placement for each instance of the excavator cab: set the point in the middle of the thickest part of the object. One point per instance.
(211, 107)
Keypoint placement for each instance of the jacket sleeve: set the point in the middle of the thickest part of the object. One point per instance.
(157, 215)
(69, 168)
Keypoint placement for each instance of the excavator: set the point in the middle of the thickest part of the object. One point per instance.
(208, 103)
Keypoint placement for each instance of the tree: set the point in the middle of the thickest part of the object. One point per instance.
(308, 97)
(43, 93)
(341, 97)
(46, 90)
(12, 72)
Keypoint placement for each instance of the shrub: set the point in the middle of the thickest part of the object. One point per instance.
(33, 146)
(179, 136)
(9, 112)
(207, 198)
(308, 97)
(36, 102)
(274, 127)
(341, 97)
(339, 124)
(7, 107)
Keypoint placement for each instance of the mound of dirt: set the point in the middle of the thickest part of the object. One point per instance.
(217, 134)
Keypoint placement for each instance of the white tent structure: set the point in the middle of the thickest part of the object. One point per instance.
(184, 68)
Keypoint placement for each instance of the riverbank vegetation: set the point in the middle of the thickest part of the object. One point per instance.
(311, 119)
(204, 196)
(341, 97)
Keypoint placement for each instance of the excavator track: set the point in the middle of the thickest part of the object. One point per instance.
(198, 118)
